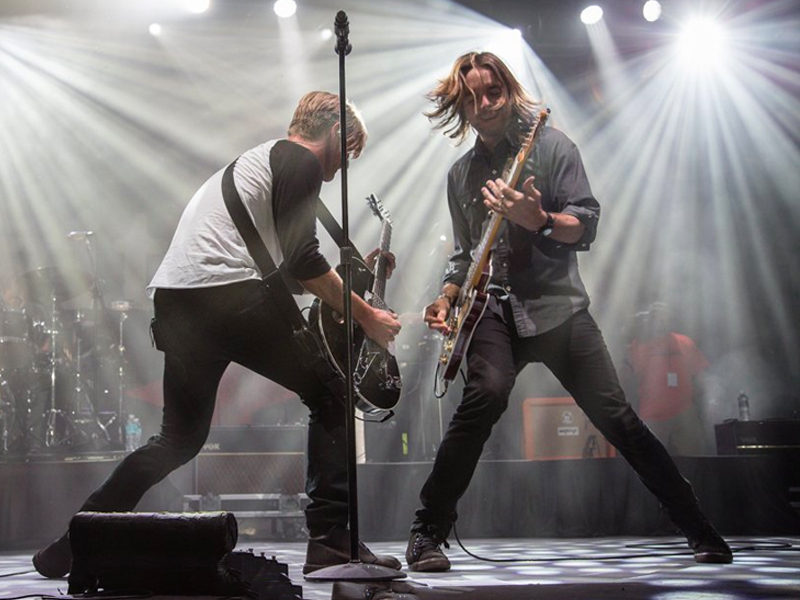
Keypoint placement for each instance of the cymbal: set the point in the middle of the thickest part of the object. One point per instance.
(45, 283)
(120, 306)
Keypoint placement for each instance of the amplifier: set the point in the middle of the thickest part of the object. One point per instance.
(252, 460)
(278, 438)
(771, 436)
(555, 428)
(774, 437)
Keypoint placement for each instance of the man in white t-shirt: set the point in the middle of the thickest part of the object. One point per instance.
(212, 308)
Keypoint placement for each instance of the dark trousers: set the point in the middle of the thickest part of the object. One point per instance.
(576, 354)
(201, 331)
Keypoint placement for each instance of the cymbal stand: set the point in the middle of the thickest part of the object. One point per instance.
(6, 412)
(123, 316)
(52, 411)
(97, 308)
(81, 396)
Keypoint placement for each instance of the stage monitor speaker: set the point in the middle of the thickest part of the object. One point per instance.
(555, 428)
(252, 460)
(161, 552)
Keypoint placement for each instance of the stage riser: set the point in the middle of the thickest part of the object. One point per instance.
(566, 498)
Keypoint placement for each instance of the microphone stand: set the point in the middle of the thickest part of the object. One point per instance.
(355, 570)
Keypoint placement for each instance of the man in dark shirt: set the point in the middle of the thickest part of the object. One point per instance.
(537, 309)
(212, 308)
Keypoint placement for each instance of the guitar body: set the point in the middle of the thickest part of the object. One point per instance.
(376, 373)
(463, 320)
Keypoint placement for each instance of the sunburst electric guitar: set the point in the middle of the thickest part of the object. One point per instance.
(471, 302)
(376, 376)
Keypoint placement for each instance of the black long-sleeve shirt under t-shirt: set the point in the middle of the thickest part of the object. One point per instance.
(538, 275)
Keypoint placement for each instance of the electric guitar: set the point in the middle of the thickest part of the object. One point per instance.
(468, 308)
(376, 375)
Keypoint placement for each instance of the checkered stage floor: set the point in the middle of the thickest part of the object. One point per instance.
(629, 568)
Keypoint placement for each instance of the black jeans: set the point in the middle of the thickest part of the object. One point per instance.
(576, 354)
(201, 331)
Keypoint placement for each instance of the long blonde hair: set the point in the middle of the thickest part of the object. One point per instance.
(449, 95)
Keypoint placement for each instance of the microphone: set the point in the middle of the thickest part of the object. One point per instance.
(342, 28)
(80, 235)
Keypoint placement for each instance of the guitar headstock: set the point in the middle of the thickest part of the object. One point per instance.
(377, 208)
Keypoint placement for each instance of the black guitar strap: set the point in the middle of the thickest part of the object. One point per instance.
(307, 344)
(333, 228)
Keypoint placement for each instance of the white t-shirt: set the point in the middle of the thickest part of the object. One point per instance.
(207, 249)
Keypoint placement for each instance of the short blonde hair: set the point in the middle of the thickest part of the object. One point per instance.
(317, 112)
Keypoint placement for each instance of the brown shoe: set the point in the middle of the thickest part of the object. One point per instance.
(424, 553)
(709, 547)
(706, 543)
(55, 560)
(333, 548)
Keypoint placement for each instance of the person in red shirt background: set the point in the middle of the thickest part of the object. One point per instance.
(665, 368)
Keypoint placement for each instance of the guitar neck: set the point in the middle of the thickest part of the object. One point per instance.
(382, 265)
(482, 255)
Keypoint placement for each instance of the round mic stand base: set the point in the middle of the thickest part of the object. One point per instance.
(355, 571)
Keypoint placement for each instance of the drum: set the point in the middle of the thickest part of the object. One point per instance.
(15, 347)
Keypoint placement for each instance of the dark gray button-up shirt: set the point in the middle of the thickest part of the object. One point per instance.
(538, 276)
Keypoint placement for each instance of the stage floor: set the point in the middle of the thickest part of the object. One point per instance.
(608, 568)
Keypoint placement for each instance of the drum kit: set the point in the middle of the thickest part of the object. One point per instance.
(62, 368)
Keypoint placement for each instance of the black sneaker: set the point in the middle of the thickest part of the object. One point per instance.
(425, 554)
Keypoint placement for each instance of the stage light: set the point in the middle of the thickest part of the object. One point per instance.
(702, 43)
(591, 14)
(651, 11)
(326, 34)
(155, 29)
(285, 8)
(197, 6)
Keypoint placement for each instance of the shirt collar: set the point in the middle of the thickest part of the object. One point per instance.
(503, 148)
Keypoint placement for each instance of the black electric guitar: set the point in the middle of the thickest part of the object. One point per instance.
(471, 302)
(376, 375)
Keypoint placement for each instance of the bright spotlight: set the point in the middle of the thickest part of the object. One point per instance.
(197, 6)
(591, 14)
(285, 8)
(651, 10)
(155, 29)
(702, 43)
(326, 34)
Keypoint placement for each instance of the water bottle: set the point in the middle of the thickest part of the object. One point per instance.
(744, 406)
(133, 433)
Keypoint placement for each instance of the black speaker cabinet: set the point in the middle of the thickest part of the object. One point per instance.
(775, 437)
(252, 460)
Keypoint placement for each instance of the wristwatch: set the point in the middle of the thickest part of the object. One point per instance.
(547, 229)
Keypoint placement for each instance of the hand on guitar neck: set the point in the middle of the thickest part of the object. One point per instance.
(388, 261)
(436, 313)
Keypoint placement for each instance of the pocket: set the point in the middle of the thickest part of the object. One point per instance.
(156, 335)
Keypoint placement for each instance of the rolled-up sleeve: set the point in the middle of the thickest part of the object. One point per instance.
(570, 188)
